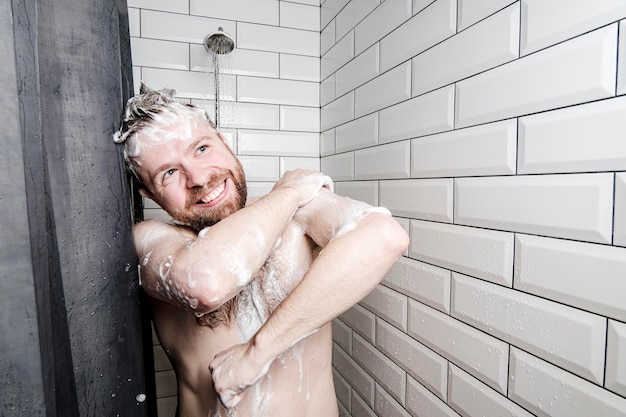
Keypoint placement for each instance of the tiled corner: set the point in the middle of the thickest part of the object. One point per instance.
(337, 56)
(338, 111)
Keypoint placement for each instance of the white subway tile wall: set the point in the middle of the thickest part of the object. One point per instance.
(494, 131)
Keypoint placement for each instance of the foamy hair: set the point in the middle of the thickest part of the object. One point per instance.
(143, 112)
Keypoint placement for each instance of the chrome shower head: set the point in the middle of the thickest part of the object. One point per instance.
(219, 42)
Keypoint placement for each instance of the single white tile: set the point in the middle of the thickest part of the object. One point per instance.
(188, 84)
(381, 21)
(619, 227)
(560, 270)
(327, 37)
(470, 397)
(136, 79)
(134, 22)
(272, 143)
(256, 11)
(385, 90)
(459, 57)
(366, 191)
(430, 113)
(181, 27)
(583, 138)
(476, 352)
(621, 59)
(485, 254)
(297, 67)
(352, 14)
(565, 336)
(616, 358)
(471, 11)
(574, 206)
(291, 163)
(361, 321)
(540, 29)
(358, 133)
(580, 70)
(358, 379)
(256, 116)
(342, 335)
(337, 56)
(389, 375)
(327, 90)
(272, 91)
(425, 283)
(299, 16)
(358, 71)
(427, 28)
(277, 39)
(338, 111)
(330, 9)
(160, 54)
(303, 119)
(162, 5)
(259, 189)
(476, 151)
(422, 402)
(383, 162)
(387, 304)
(327, 142)
(420, 362)
(544, 389)
(386, 405)
(260, 168)
(339, 167)
(425, 199)
(238, 62)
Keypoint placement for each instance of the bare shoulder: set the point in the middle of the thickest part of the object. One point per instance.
(151, 233)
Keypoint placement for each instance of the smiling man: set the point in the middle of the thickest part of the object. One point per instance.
(243, 292)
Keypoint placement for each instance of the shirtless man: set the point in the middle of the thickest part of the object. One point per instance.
(264, 279)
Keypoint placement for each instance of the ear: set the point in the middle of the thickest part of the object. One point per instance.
(145, 192)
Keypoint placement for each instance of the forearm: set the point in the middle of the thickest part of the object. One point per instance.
(347, 269)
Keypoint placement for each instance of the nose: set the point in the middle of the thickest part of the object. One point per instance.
(196, 176)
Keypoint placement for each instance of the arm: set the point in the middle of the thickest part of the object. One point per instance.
(361, 244)
(200, 272)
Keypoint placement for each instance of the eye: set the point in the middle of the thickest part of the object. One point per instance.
(202, 148)
(168, 173)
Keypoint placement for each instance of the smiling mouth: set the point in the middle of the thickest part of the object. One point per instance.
(217, 191)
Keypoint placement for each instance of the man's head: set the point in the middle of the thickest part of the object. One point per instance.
(180, 159)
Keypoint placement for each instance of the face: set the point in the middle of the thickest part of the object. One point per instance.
(187, 168)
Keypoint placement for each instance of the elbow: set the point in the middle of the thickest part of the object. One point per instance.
(212, 287)
(394, 238)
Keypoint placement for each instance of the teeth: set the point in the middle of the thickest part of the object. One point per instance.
(214, 194)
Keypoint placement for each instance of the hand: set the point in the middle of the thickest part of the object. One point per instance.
(308, 183)
(234, 370)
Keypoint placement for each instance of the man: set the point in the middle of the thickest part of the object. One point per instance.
(264, 279)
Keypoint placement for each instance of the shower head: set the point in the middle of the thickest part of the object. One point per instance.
(219, 42)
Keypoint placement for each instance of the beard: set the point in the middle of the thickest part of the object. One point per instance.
(200, 219)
